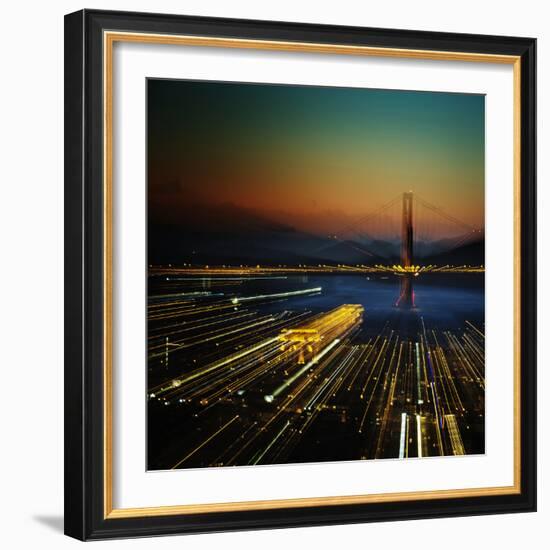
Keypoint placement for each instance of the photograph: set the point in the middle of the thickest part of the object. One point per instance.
(300, 272)
(315, 274)
(271, 275)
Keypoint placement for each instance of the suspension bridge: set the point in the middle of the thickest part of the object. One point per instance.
(402, 237)
(420, 229)
(408, 223)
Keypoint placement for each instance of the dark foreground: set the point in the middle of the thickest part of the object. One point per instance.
(269, 370)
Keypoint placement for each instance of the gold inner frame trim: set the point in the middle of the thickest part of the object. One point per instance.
(109, 39)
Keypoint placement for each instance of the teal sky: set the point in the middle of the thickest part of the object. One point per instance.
(312, 156)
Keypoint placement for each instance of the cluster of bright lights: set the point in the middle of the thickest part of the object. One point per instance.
(210, 272)
(418, 269)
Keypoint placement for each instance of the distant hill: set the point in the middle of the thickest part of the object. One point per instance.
(232, 235)
(470, 254)
(227, 234)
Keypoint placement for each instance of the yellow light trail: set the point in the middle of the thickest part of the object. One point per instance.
(308, 336)
(363, 356)
(187, 327)
(380, 360)
(216, 365)
(196, 449)
(216, 337)
(454, 433)
(326, 371)
(255, 461)
(250, 272)
(394, 359)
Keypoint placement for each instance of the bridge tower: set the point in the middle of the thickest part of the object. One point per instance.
(406, 296)
(407, 230)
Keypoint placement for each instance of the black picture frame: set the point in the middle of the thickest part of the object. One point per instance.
(84, 276)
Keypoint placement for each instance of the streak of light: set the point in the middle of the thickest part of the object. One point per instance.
(270, 397)
(185, 295)
(475, 329)
(403, 435)
(255, 461)
(328, 382)
(249, 273)
(216, 279)
(216, 333)
(419, 435)
(420, 401)
(239, 299)
(216, 365)
(217, 336)
(187, 327)
(378, 364)
(206, 441)
(454, 433)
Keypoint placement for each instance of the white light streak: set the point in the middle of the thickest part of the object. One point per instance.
(269, 398)
(402, 436)
(236, 300)
(419, 435)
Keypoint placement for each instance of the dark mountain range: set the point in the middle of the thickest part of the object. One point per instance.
(469, 254)
(227, 234)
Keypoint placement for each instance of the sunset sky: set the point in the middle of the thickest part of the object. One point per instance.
(315, 158)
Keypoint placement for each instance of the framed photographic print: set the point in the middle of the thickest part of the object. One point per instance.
(300, 274)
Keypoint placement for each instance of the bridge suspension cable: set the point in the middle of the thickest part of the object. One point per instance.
(435, 231)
